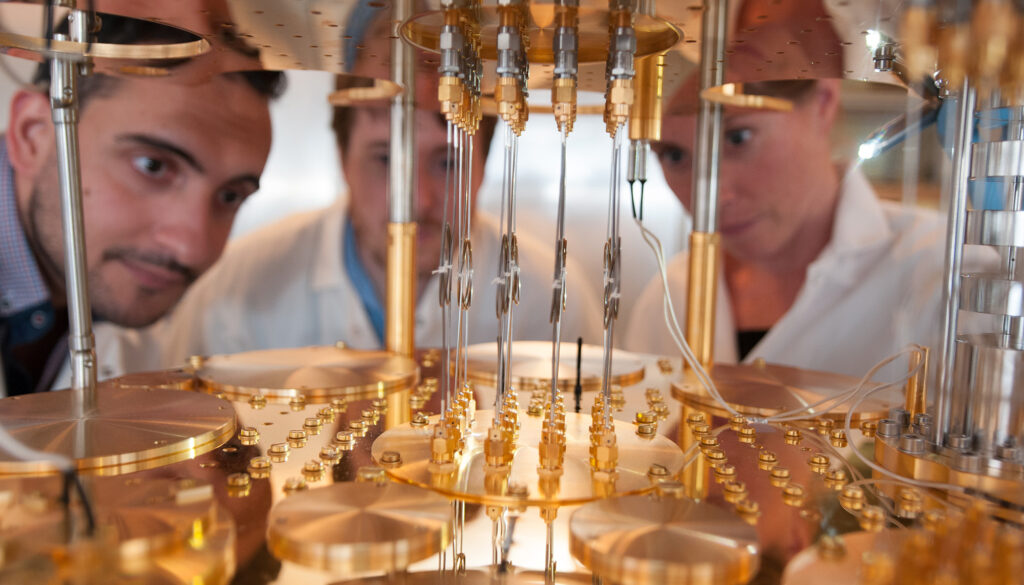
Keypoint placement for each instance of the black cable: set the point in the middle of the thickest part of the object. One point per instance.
(71, 480)
(48, 23)
(577, 391)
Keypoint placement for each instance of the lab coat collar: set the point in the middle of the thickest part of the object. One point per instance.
(328, 266)
(860, 230)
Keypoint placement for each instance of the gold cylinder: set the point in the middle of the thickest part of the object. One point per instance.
(917, 387)
(400, 330)
(701, 296)
(645, 114)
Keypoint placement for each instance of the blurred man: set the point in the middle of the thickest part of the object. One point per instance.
(165, 166)
(319, 278)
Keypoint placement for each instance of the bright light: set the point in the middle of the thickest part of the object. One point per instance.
(873, 39)
(867, 150)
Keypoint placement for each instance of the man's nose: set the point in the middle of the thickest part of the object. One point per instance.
(190, 233)
(430, 196)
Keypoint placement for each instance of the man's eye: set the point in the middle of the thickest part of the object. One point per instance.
(232, 197)
(672, 155)
(738, 136)
(150, 166)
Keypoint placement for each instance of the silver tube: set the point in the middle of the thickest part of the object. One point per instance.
(64, 106)
(709, 118)
(401, 163)
(955, 229)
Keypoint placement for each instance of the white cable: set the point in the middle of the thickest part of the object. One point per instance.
(19, 451)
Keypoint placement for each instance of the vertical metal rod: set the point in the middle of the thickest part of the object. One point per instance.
(709, 118)
(955, 228)
(400, 333)
(64, 105)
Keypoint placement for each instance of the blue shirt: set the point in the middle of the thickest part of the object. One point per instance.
(362, 283)
(26, 314)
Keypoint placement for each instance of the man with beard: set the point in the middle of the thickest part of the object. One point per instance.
(164, 166)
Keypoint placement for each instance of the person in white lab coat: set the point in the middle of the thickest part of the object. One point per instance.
(817, 272)
(319, 277)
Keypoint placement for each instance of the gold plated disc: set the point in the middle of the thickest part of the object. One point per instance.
(819, 564)
(361, 526)
(36, 48)
(318, 374)
(653, 35)
(471, 481)
(131, 429)
(476, 577)
(148, 530)
(764, 390)
(531, 366)
(643, 540)
(159, 380)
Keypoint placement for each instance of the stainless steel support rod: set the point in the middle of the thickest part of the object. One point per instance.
(64, 106)
(955, 228)
(709, 117)
(401, 162)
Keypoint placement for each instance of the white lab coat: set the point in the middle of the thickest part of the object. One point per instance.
(286, 286)
(874, 289)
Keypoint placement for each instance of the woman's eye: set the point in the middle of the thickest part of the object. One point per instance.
(738, 136)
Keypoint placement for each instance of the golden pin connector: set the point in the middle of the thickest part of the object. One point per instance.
(442, 449)
(619, 101)
(551, 449)
(497, 449)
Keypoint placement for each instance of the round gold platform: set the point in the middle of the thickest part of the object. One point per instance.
(812, 566)
(472, 483)
(148, 530)
(36, 48)
(476, 577)
(764, 390)
(159, 380)
(131, 430)
(531, 366)
(643, 540)
(358, 527)
(318, 374)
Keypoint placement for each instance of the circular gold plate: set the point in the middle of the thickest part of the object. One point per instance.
(357, 527)
(476, 577)
(764, 390)
(809, 567)
(470, 481)
(318, 374)
(653, 35)
(159, 380)
(131, 429)
(36, 48)
(531, 366)
(152, 530)
(643, 540)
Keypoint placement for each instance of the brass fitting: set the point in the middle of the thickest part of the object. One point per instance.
(619, 100)
(645, 113)
(563, 101)
(497, 450)
(551, 450)
(442, 449)
(605, 455)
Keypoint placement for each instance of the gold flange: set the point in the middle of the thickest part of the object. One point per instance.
(643, 540)
(763, 390)
(131, 429)
(653, 35)
(316, 374)
(156, 530)
(470, 480)
(358, 527)
(477, 577)
(531, 366)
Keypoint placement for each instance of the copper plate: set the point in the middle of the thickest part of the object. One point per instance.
(576, 485)
(131, 430)
(318, 373)
(161, 531)
(641, 540)
(356, 527)
(476, 577)
(531, 365)
(764, 390)
(159, 380)
(809, 567)
(34, 47)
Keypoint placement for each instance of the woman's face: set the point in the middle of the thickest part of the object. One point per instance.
(776, 176)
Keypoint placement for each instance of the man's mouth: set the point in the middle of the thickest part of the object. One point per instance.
(153, 276)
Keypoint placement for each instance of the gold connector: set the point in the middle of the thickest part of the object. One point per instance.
(645, 113)
(563, 101)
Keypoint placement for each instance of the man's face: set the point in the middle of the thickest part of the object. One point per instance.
(365, 165)
(164, 169)
(775, 174)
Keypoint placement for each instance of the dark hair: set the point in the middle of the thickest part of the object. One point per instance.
(344, 117)
(124, 31)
